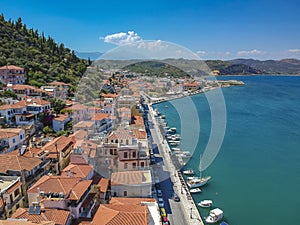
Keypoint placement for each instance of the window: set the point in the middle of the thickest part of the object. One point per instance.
(125, 193)
(134, 155)
(125, 165)
(14, 140)
(125, 155)
(111, 151)
(134, 165)
(142, 164)
(17, 192)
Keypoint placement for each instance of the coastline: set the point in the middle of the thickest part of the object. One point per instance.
(192, 214)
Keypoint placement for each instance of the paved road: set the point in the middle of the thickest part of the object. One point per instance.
(178, 212)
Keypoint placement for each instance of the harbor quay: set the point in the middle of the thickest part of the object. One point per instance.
(189, 213)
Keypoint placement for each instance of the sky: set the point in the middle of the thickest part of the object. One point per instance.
(225, 29)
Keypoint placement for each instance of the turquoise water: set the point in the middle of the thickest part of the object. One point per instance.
(256, 175)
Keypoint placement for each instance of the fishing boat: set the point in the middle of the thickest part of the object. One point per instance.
(198, 182)
(186, 154)
(173, 129)
(215, 215)
(173, 143)
(188, 172)
(195, 190)
(205, 203)
(176, 149)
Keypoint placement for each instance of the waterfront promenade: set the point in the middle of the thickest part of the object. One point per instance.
(186, 206)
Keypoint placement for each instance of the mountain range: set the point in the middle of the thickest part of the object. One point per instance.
(234, 66)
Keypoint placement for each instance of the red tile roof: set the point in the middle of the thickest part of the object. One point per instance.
(60, 217)
(108, 214)
(11, 67)
(81, 171)
(71, 186)
(17, 163)
(58, 144)
(103, 183)
(100, 116)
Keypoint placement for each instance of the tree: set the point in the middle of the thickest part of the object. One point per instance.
(57, 105)
(47, 130)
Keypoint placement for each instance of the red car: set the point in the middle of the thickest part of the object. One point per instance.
(165, 221)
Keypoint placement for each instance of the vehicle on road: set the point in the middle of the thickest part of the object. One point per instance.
(175, 197)
(163, 212)
(165, 221)
(159, 193)
(161, 203)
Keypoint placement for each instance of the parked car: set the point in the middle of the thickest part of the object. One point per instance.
(161, 203)
(165, 221)
(159, 193)
(163, 212)
(175, 197)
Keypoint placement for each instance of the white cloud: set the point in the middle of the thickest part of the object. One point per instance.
(201, 53)
(295, 50)
(122, 38)
(250, 52)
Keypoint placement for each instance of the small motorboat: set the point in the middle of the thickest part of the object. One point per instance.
(195, 190)
(188, 172)
(205, 203)
(215, 215)
(176, 149)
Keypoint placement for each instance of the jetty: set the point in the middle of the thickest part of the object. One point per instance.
(191, 213)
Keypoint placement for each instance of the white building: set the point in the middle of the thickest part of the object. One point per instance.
(11, 139)
(131, 184)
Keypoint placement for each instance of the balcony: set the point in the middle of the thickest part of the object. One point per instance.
(16, 201)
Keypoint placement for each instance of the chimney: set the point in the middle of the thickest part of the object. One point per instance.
(39, 191)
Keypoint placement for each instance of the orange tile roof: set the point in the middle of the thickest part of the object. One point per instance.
(60, 217)
(9, 132)
(17, 163)
(138, 120)
(76, 107)
(23, 87)
(14, 187)
(109, 95)
(79, 189)
(11, 67)
(72, 186)
(84, 124)
(61, 118)
(81, 171)
(60, 144)
(78, 159)
(57, 83)
(22, 222)
(100, 116)
(5, 107)
(139, 134)
(79, 135)
(103, 183)
(108, 214)
(130, 201)
(31, 101)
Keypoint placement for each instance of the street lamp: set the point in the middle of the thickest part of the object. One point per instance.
(191, 213)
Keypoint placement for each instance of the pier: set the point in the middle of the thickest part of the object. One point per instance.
(189, 210)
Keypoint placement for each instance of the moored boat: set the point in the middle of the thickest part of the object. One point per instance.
(205, 203)
(198, 182)
(188, 172)
(215, 215)
(176, 149)
(195, 190)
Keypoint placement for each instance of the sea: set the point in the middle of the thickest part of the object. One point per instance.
(256, 173)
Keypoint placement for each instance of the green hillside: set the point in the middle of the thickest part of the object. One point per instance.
(44, 60)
